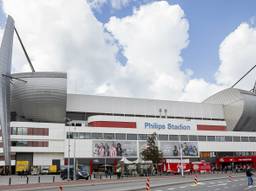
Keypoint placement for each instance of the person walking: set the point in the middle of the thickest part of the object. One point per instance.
(249, 175)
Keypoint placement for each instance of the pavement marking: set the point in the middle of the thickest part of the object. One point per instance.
(211, 186)
(217, 189)
(223, 184)
(181, 187)
(171, 188)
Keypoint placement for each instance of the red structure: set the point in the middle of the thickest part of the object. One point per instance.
(241, 161)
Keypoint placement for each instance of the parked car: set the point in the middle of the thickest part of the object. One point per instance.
(81, 173)
(44, 170)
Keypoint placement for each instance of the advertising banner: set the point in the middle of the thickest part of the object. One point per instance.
(113, 149)
(173, 149)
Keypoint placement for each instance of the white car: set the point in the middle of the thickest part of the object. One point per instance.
(44, 170)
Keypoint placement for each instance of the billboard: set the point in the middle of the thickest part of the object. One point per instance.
(173, 149)
(114, 149)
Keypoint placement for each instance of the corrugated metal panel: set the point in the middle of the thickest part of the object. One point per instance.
(104, 104)
(42, 98)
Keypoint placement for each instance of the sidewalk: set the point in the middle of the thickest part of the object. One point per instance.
(173, 179)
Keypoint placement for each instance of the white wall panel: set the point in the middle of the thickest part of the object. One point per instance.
(40, 159)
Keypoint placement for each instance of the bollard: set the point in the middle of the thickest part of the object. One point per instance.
(53, 179)
(38, 179)
(90, 177)
(27, 179)
(110, 176)
(230, 178)
(148, 184)
(10, 180)
(195, 180)
(100, 176)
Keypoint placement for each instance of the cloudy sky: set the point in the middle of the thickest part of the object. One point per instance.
(174, 50)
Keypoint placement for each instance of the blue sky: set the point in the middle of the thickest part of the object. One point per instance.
(210, 21)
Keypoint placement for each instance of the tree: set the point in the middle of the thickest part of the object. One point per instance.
(151, 152)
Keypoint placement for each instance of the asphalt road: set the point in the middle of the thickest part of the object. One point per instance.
(237, 184)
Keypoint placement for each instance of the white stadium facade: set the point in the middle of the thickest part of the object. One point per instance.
(43, 124)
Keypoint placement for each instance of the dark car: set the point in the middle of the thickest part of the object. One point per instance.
(81, 173)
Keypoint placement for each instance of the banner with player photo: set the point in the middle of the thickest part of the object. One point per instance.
(173, 149)
(113, 149)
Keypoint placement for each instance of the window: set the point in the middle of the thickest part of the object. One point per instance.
(131, 136)
(236, 139)
(76, 135)
(210, 138)
(173, 137)
(14, 130)
(142, 136)
(22, 131)
(20, 143)
(108, 135)
(228, 138)
(69, 135)
(184, 138)
(97, 136)
(252, 139)
(87, 135)
(120, 136)
(202, 138)
(220, 138)
(192, 138)
(81, 135)
(244, 139)
(163, 137)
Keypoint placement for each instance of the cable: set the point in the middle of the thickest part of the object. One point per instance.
(26, 54)
(243, 76)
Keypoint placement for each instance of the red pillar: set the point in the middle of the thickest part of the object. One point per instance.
(115, 165)
(91, 166)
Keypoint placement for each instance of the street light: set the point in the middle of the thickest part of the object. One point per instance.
(69, 136)
(67, 120)
(74, 174)
(181, 160)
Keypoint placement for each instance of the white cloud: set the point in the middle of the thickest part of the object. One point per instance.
(237, 56)
(198, 90)
(118, 4)
(152, 39)
(64, 36)
(96, 4)
(115, 4)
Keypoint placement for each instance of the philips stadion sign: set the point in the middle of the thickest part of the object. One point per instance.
(168, 126)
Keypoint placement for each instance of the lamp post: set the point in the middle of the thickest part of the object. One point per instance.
(67, 120)
(69, 134)
(181, 160)
(74, 162)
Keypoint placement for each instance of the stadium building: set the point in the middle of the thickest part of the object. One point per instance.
(43, 124)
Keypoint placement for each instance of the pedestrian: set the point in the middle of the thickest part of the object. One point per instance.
(249, 175)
